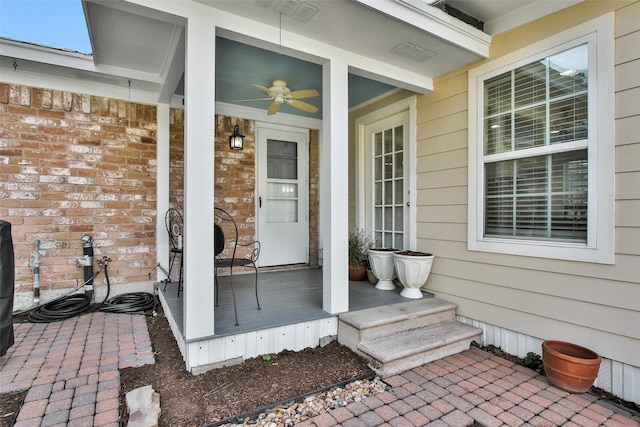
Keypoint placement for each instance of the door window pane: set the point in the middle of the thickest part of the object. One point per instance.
(399, 192)
(388, 141)
(377, 144)
(398, 138)
(282, 181)
(398, 165)
(388, 192)
(282, 159)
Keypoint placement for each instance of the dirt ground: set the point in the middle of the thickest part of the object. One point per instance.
(188, 400)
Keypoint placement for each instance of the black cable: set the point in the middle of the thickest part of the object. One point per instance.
(61, 309)
(132, 303)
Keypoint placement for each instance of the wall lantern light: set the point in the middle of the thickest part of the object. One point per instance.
(236, 141)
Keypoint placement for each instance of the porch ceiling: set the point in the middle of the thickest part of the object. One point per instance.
(144, 48)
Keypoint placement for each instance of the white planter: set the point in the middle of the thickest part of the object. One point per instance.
(381, 263)
(413, 271)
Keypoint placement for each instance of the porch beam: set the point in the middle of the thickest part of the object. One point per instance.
(198, 179)
(334, 175)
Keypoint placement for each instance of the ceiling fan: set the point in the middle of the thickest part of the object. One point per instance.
(280, 93)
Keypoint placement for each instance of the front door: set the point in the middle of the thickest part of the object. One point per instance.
(386, 185)
(283, 219)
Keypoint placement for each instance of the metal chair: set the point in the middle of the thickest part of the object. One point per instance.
(224, 221)
(173, 222)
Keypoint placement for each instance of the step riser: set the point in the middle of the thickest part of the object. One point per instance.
(407, 325)
(417, 341)
(397, 366)
(349, 337)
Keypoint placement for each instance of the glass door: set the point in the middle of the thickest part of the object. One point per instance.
(386, 181)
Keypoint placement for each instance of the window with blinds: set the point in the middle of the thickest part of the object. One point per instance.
(535, 149)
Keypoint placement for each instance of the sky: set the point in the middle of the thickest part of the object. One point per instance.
(54, 23)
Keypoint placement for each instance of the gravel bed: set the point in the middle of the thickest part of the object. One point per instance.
(308, 407)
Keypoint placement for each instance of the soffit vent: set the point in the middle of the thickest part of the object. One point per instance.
(459, 14)
(450, 10)
(412, 52)
(291, 8)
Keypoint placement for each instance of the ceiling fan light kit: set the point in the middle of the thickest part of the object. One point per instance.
(279, 93)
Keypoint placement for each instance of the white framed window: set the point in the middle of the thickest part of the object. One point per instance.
(541, 148)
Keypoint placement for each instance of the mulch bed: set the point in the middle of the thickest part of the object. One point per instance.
(10, 404)
(186, 399)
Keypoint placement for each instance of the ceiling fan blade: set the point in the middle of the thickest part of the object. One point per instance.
(308, 93)
(273, 108)
(252, 99)
(264, 88)
(302, 105)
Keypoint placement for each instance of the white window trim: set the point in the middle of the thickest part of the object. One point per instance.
(599, 247)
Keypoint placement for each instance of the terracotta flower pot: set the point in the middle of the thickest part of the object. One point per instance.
(357, 272)
(570, 367)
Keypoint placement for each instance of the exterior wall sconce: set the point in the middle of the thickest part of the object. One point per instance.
(236, 141)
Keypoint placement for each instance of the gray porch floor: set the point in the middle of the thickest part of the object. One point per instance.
(286, 297)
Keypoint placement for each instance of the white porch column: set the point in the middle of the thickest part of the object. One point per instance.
(198, 177)
(162, 188)
(334, 176)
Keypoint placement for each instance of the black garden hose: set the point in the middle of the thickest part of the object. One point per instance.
(61, 309)
(67, 306)
(132, 303)
(76, 304)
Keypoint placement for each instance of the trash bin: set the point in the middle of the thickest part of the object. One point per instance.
(7, 281)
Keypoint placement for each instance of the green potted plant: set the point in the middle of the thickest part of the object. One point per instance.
(359, 244)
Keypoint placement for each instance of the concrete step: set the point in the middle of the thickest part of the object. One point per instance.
(398, 337)
(400, 352)
(365, 325)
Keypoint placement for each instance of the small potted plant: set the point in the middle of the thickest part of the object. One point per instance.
(359, 244)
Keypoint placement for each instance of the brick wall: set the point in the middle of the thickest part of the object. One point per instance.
(176, 159)
(235, 177)
(74, 164)
(234, 174)
(314, 195)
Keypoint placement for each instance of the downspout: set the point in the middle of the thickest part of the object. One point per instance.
(36, 273)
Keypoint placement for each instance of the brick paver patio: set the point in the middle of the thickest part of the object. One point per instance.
(70, 368)
(476, 388)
